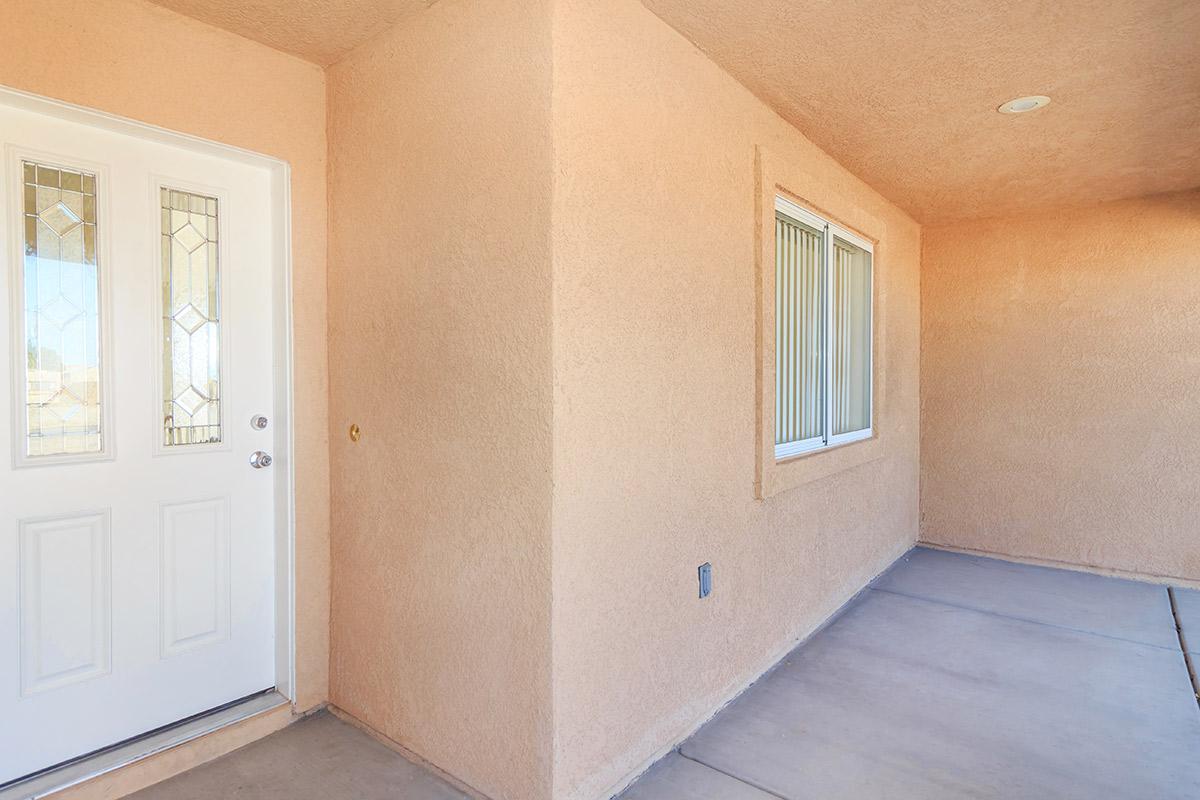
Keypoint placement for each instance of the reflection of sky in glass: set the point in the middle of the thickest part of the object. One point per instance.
(76, 283)
(62, 325)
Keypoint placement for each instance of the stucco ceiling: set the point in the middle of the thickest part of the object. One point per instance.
(904, 93)
(321, 31)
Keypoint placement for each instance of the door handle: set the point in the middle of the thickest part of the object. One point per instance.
(259, 459)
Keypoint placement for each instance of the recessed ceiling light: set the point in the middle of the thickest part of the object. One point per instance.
(1023, 104)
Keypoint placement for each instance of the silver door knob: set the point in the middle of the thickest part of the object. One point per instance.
(258, 422)
(259, 459)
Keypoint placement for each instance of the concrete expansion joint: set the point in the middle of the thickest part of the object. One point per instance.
(1016, 618)
(1183, 645)
(738, 778)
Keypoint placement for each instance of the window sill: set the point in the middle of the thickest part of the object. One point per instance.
(791, 452)
(780, 475)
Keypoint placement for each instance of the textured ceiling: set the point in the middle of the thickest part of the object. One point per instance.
(904, 94)
(321, 31)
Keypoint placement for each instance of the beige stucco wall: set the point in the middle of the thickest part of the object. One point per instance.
(140, 61)
(654, 416)
(443, 317)
(542, 315)
(440, 351)
(1059, 382)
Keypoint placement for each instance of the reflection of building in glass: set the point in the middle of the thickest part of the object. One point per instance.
(62, 316)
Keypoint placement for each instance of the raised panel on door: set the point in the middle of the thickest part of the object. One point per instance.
(194, 575)
(65, 619)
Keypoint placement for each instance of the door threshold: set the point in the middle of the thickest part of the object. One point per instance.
(85, 767)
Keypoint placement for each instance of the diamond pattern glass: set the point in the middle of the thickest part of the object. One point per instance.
(61, 312)
(191, 319)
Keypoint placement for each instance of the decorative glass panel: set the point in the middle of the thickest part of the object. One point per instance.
(799, 321)
(62, 313)
(191, 319)
(851, 359)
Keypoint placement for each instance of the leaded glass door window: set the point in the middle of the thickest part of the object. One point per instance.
(191, 318)
(60, 283)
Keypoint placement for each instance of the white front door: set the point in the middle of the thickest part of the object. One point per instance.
(137, 540)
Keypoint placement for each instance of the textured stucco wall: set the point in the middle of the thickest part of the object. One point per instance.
(654, 416)
(141, 61)
(1059, 380)
(440, 350)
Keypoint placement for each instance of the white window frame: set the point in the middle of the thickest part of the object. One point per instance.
(826, 441)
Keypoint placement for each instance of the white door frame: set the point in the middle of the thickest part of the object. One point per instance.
(281, 277)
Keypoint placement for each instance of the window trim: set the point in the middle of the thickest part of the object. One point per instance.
(826, 441)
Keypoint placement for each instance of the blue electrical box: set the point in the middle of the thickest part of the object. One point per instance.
(705, 580)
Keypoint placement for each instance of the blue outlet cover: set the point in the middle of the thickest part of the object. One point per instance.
(705, 580)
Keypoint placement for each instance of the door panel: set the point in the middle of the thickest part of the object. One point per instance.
(137, 563)
(194, 574)
(65, 625)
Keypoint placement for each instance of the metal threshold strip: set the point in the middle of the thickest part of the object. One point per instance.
(88, 766)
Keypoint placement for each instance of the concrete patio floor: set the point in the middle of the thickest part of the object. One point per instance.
(953, 676)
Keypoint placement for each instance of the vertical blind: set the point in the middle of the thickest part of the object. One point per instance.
(822, 336)
(851, 338)
(799, 318)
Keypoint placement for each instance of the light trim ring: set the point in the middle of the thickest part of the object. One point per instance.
(1022, 105)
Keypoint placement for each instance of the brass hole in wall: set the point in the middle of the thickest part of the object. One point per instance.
(355, 433)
